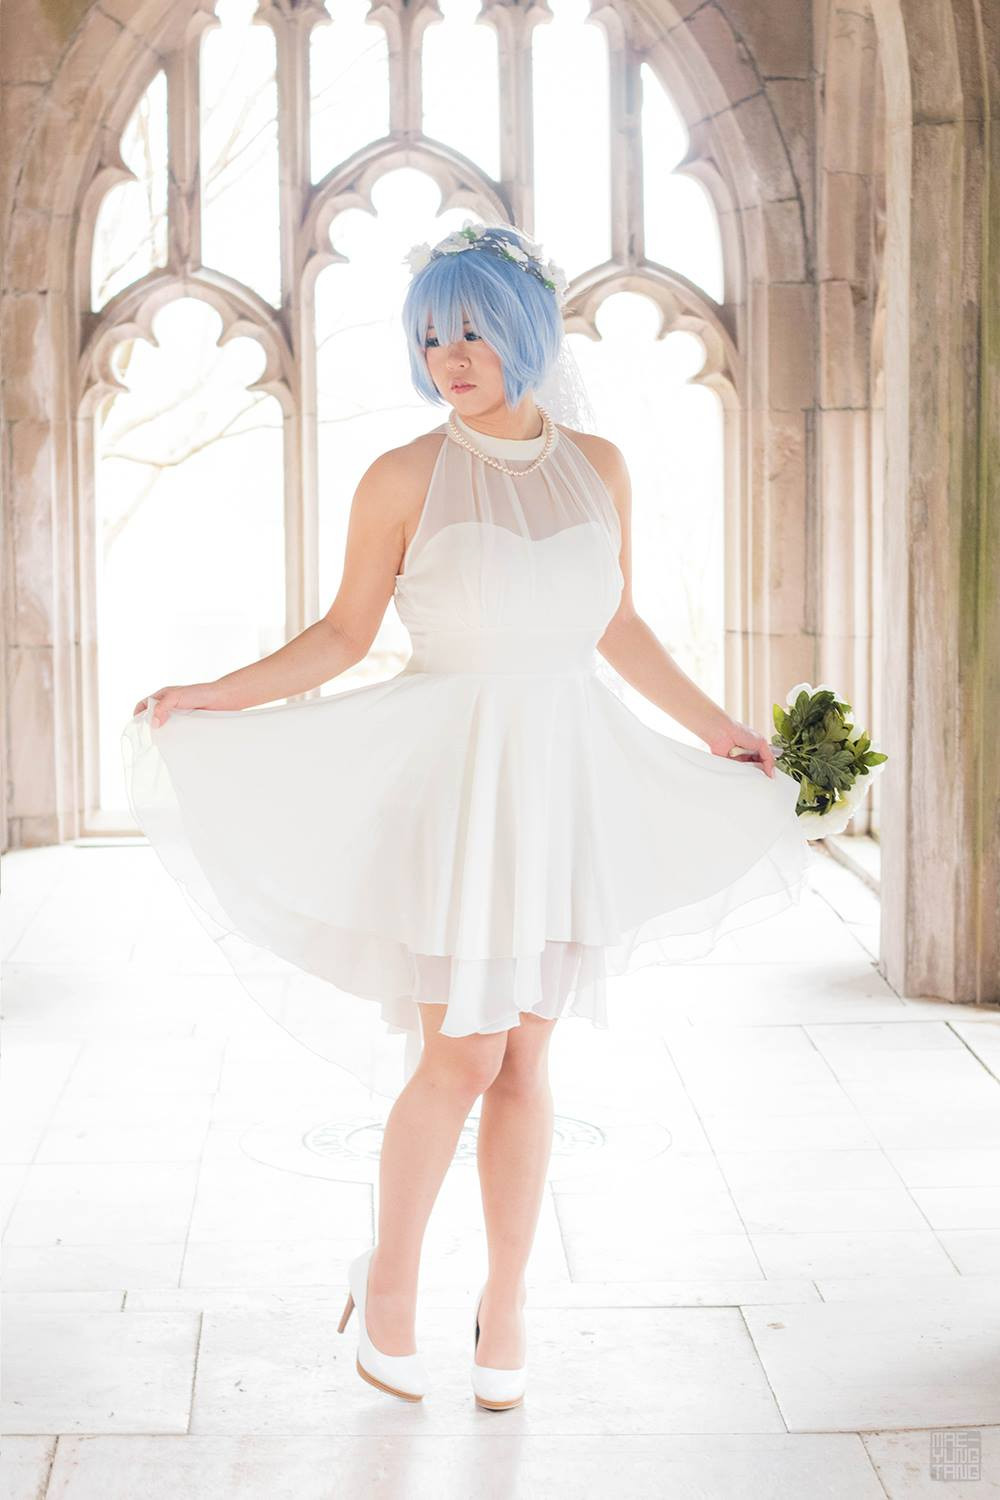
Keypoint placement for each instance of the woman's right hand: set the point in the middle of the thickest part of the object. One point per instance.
(194, 695)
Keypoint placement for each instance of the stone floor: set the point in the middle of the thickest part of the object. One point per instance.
(765, 1266)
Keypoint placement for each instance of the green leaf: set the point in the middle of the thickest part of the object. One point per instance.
(819, 772)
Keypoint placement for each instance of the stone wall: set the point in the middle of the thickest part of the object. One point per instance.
(849, 155)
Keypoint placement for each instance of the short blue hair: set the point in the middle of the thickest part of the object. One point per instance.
(507, 306)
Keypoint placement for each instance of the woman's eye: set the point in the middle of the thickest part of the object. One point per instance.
(431, 342)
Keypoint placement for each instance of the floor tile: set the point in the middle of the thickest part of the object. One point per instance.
(98, 1372)
(754, 1466)
(771, 1204)
(292, 1372)
(24, 1467)
(862, 1367)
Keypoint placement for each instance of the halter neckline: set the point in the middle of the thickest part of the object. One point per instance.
(504, 447)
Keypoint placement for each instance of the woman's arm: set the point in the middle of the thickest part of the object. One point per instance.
(640, 657)
(314, 656)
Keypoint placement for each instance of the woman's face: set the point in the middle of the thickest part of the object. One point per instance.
(468, 373)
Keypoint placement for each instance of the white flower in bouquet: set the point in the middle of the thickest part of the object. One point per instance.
(833, 762)
(806, 687)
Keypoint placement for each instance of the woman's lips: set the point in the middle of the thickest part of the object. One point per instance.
(462, 386)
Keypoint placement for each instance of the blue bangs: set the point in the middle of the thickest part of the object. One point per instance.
(508, 307)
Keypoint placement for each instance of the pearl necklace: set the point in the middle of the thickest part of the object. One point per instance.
(548, 427)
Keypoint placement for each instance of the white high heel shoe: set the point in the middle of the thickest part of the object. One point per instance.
(496, 1389)
(399, 1374)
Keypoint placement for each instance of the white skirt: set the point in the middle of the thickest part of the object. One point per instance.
(493, 844)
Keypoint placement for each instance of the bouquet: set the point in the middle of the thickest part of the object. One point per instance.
(818, 745)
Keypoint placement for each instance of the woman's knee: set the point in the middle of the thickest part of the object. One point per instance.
(467, 1064)
(525, 1064)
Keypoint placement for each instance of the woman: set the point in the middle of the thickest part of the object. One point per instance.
(480, 841)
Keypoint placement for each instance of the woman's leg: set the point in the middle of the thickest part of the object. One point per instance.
(419, 1141)
(515, 1141)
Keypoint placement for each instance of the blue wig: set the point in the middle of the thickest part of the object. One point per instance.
(507, 306)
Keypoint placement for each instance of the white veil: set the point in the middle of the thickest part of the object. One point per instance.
(564, 395)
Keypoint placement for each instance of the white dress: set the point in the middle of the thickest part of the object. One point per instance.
(491, 829)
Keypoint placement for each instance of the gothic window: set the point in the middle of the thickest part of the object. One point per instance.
(130, 236)
(240, 270)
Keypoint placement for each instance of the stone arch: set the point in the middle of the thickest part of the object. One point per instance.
(92, 76)
(746, 87)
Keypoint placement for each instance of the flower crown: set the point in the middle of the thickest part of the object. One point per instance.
(471, 236)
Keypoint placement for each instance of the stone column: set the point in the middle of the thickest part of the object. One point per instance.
(941, 697)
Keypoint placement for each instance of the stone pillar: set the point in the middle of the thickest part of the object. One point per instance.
(941, 697)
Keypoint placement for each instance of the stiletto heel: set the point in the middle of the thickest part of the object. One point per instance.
(495, 1389)
(399, 1374)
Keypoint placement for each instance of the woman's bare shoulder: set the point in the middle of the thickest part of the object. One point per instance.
(418, 452)
(605, 456)
(398, 479)
(588, 440)
(406, 469)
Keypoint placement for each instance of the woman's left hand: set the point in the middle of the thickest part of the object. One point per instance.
(740, 736)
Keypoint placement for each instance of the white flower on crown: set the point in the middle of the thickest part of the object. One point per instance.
(557, 274)
(458, 240)
(524, 254)
(419, 256)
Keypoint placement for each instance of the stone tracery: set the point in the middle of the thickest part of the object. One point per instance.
(835, 359)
